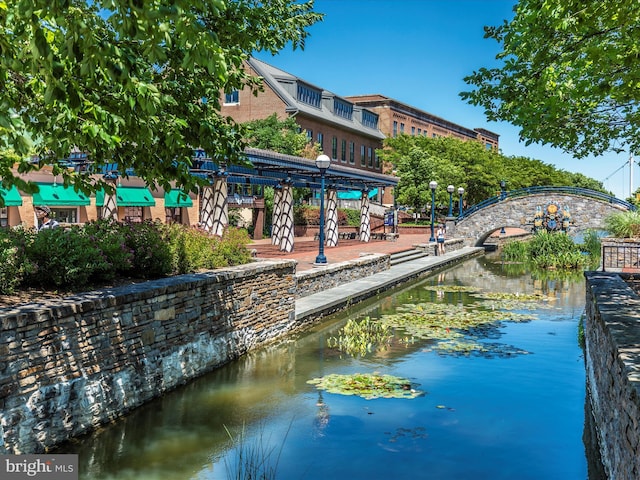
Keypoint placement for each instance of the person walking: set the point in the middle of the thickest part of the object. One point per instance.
(440, 234)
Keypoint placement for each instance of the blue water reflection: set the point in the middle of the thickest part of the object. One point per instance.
(495, 417)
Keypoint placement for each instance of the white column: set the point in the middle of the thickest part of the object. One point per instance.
(110, 205)
(331, 229)
(276, 218)
(206, 209)
(220, 207)
(287, 229)
(365, 220)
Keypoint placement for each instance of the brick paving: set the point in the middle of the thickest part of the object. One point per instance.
(305, 249)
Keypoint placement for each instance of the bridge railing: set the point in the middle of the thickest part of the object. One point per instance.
(523, 192)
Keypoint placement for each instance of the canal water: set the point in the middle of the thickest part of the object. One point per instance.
(500, 399)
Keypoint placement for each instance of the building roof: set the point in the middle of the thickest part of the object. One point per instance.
(285, 85)
(271, 168)
(378, 100)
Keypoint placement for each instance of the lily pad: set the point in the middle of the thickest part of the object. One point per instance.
(367, 385)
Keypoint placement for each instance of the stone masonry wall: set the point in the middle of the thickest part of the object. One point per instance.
(612, 360)
(69, 366)
(323, 278)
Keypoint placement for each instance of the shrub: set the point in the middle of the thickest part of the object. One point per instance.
(623, 224)
(108, 237)
(14, 263)
(151, 252)
(231, 249)
(548, 250)
(63, 258)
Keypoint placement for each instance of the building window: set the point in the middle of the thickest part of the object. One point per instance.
(489, 146)
(363, 158)
(321, 141)
(309, 95)
(342, 109)
(309, 136)
(395, 129)
(334, 148)
(370, 157)
(4, 217)
(65, 215)
(352, 153)
(133, 214)
(419, 131)
(343, 151)
(377, 160)
(369, 119)
(232, 97)
(413, 131)
(173, 215)
(401, 128)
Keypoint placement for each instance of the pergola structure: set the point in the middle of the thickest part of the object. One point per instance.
(284, 172)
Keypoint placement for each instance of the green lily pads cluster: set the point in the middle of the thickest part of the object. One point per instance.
(451, 329)
(367, 385)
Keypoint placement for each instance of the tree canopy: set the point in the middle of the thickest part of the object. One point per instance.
(133, 83)
(570, 75)
(282, 136)
(417, 160)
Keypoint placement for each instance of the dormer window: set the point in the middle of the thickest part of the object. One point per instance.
(342, 109)
(309, 95)
(369, 119)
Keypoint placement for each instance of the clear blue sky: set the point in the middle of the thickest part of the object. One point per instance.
(418, 52)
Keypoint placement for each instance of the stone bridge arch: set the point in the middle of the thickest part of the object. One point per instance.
(517, 209)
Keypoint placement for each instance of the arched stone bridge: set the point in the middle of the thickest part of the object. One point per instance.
(517, 209)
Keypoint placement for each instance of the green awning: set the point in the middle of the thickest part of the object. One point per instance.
(177, 198)
(58, 196)
(11, 197)
(129, 197)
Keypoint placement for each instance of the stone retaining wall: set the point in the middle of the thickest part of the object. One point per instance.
(323, 278)
(612, 337)
(69, 366)
(431, 248)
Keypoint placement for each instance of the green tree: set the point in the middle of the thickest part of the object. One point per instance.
(131, 82)
(449, 161)
(569, 75)
(282, 136)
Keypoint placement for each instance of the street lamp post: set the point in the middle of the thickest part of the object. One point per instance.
(323, 162)
(460, 193)
(433, 185)
(450, 189)
(503, 195)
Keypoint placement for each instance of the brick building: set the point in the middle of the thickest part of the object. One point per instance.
(397, 118)
(348, 133)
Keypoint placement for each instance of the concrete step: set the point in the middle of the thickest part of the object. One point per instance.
(407, 256)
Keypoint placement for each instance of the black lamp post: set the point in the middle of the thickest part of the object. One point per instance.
(460, 193)
(323, 162)
(433, 185)
(450, 189)
(503, 195)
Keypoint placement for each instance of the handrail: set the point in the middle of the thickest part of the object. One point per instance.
(522, 192)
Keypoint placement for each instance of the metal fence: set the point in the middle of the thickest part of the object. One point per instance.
(621, 257)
